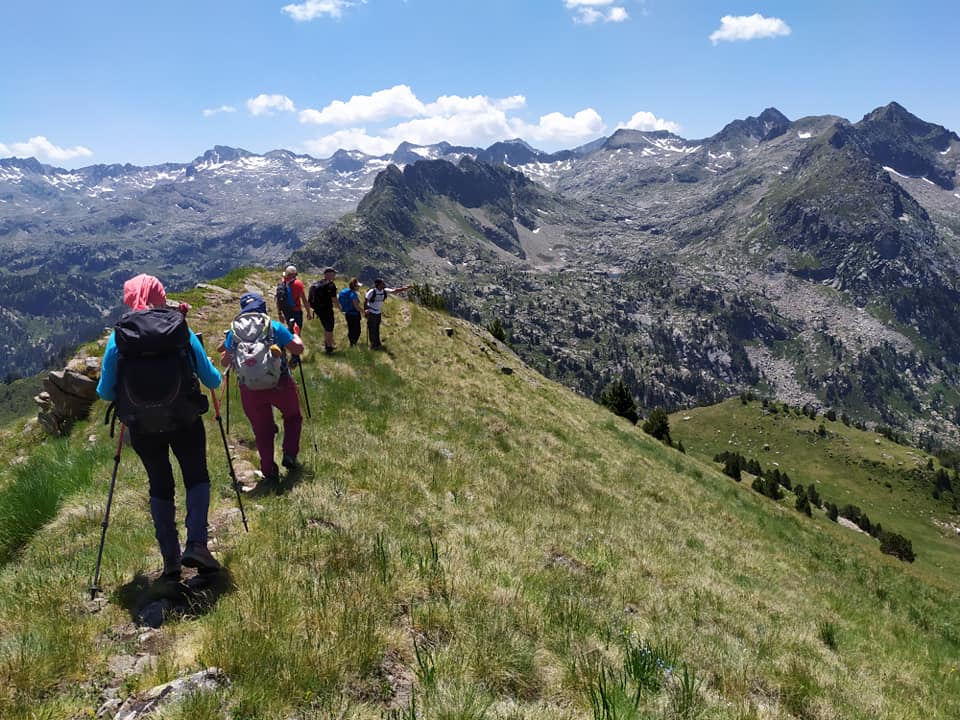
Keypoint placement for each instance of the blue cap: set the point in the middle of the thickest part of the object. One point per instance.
(253, 302)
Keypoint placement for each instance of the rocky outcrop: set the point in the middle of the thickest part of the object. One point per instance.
(147, 704)
(68, 394)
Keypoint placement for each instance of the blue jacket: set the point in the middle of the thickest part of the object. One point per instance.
(107, 387)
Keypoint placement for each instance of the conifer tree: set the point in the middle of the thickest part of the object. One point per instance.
(617, 399)
(658, 425)
(496, 329)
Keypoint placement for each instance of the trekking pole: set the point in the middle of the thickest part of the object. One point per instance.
(95, 587)
(227, 373)
(226, 449)
(303, 384)
(303, 380)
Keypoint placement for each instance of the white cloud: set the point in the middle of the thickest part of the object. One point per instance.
(514, 102)
(558, 128)
(398, 101)
(748, 27)
(475, 120)
(312, 9)
(350, 139)
(266, 104)
(587, 12)
(617, 14)
(644, 120)
(210, 112)
(39, 147)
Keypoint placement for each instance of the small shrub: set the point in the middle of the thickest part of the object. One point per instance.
(832, 512)
(428, 297)
(616, 397)
(658, 426)
(731, 468)
(813, 495)
(495, 328)
(897, 545)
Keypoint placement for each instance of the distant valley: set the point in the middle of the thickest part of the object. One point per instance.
(813, 259)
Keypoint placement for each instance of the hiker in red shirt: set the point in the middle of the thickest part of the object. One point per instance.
(298, 294)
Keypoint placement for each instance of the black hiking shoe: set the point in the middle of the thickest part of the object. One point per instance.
(198, 556)
(290, 461)
(171, 570)
(271, 478)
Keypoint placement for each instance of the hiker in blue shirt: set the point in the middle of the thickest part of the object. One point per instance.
(182, 432)
(265, 381)
(349, 300)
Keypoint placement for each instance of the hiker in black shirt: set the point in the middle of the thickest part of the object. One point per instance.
(323, 293)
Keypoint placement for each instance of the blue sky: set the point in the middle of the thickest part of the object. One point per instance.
(110, 81)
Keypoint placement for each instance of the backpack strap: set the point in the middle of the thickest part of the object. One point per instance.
(110, 417)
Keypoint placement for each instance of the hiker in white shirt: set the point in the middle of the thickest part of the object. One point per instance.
(373, 307)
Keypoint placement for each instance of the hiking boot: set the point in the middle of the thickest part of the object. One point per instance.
(272, 478)
(329, 349)
(171, 569)
(290, 461)
(198, 556)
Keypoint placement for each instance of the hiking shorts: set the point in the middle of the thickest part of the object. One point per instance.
(326, 320)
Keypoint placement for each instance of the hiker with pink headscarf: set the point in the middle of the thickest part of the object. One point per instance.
(152, 369)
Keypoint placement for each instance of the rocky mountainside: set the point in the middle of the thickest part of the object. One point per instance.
(815, 258)
(785, 255)
(68, 238)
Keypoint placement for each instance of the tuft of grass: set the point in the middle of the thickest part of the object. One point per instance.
(54, 472)
(685, 700)
(827, 632)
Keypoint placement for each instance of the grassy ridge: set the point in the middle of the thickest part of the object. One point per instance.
(888, 481)
(484, 545)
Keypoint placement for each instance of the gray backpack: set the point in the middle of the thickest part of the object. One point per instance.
(253, 363)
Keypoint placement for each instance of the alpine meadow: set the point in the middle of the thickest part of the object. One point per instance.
(469, 542)
(431, 360)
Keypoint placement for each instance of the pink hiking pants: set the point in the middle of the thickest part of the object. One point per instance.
(258, 406)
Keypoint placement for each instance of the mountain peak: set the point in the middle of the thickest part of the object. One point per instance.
(770, 124)
(898, 138)
(221, 154)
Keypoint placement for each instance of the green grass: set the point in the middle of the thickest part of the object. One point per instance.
(847, 466)
(16, 398)
(469, 544)
(52, 473)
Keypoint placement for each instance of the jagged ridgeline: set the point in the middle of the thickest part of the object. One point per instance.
(471, 543)
(814, 259)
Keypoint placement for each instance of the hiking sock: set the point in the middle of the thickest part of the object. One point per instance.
(164, 514)
(198, 504)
